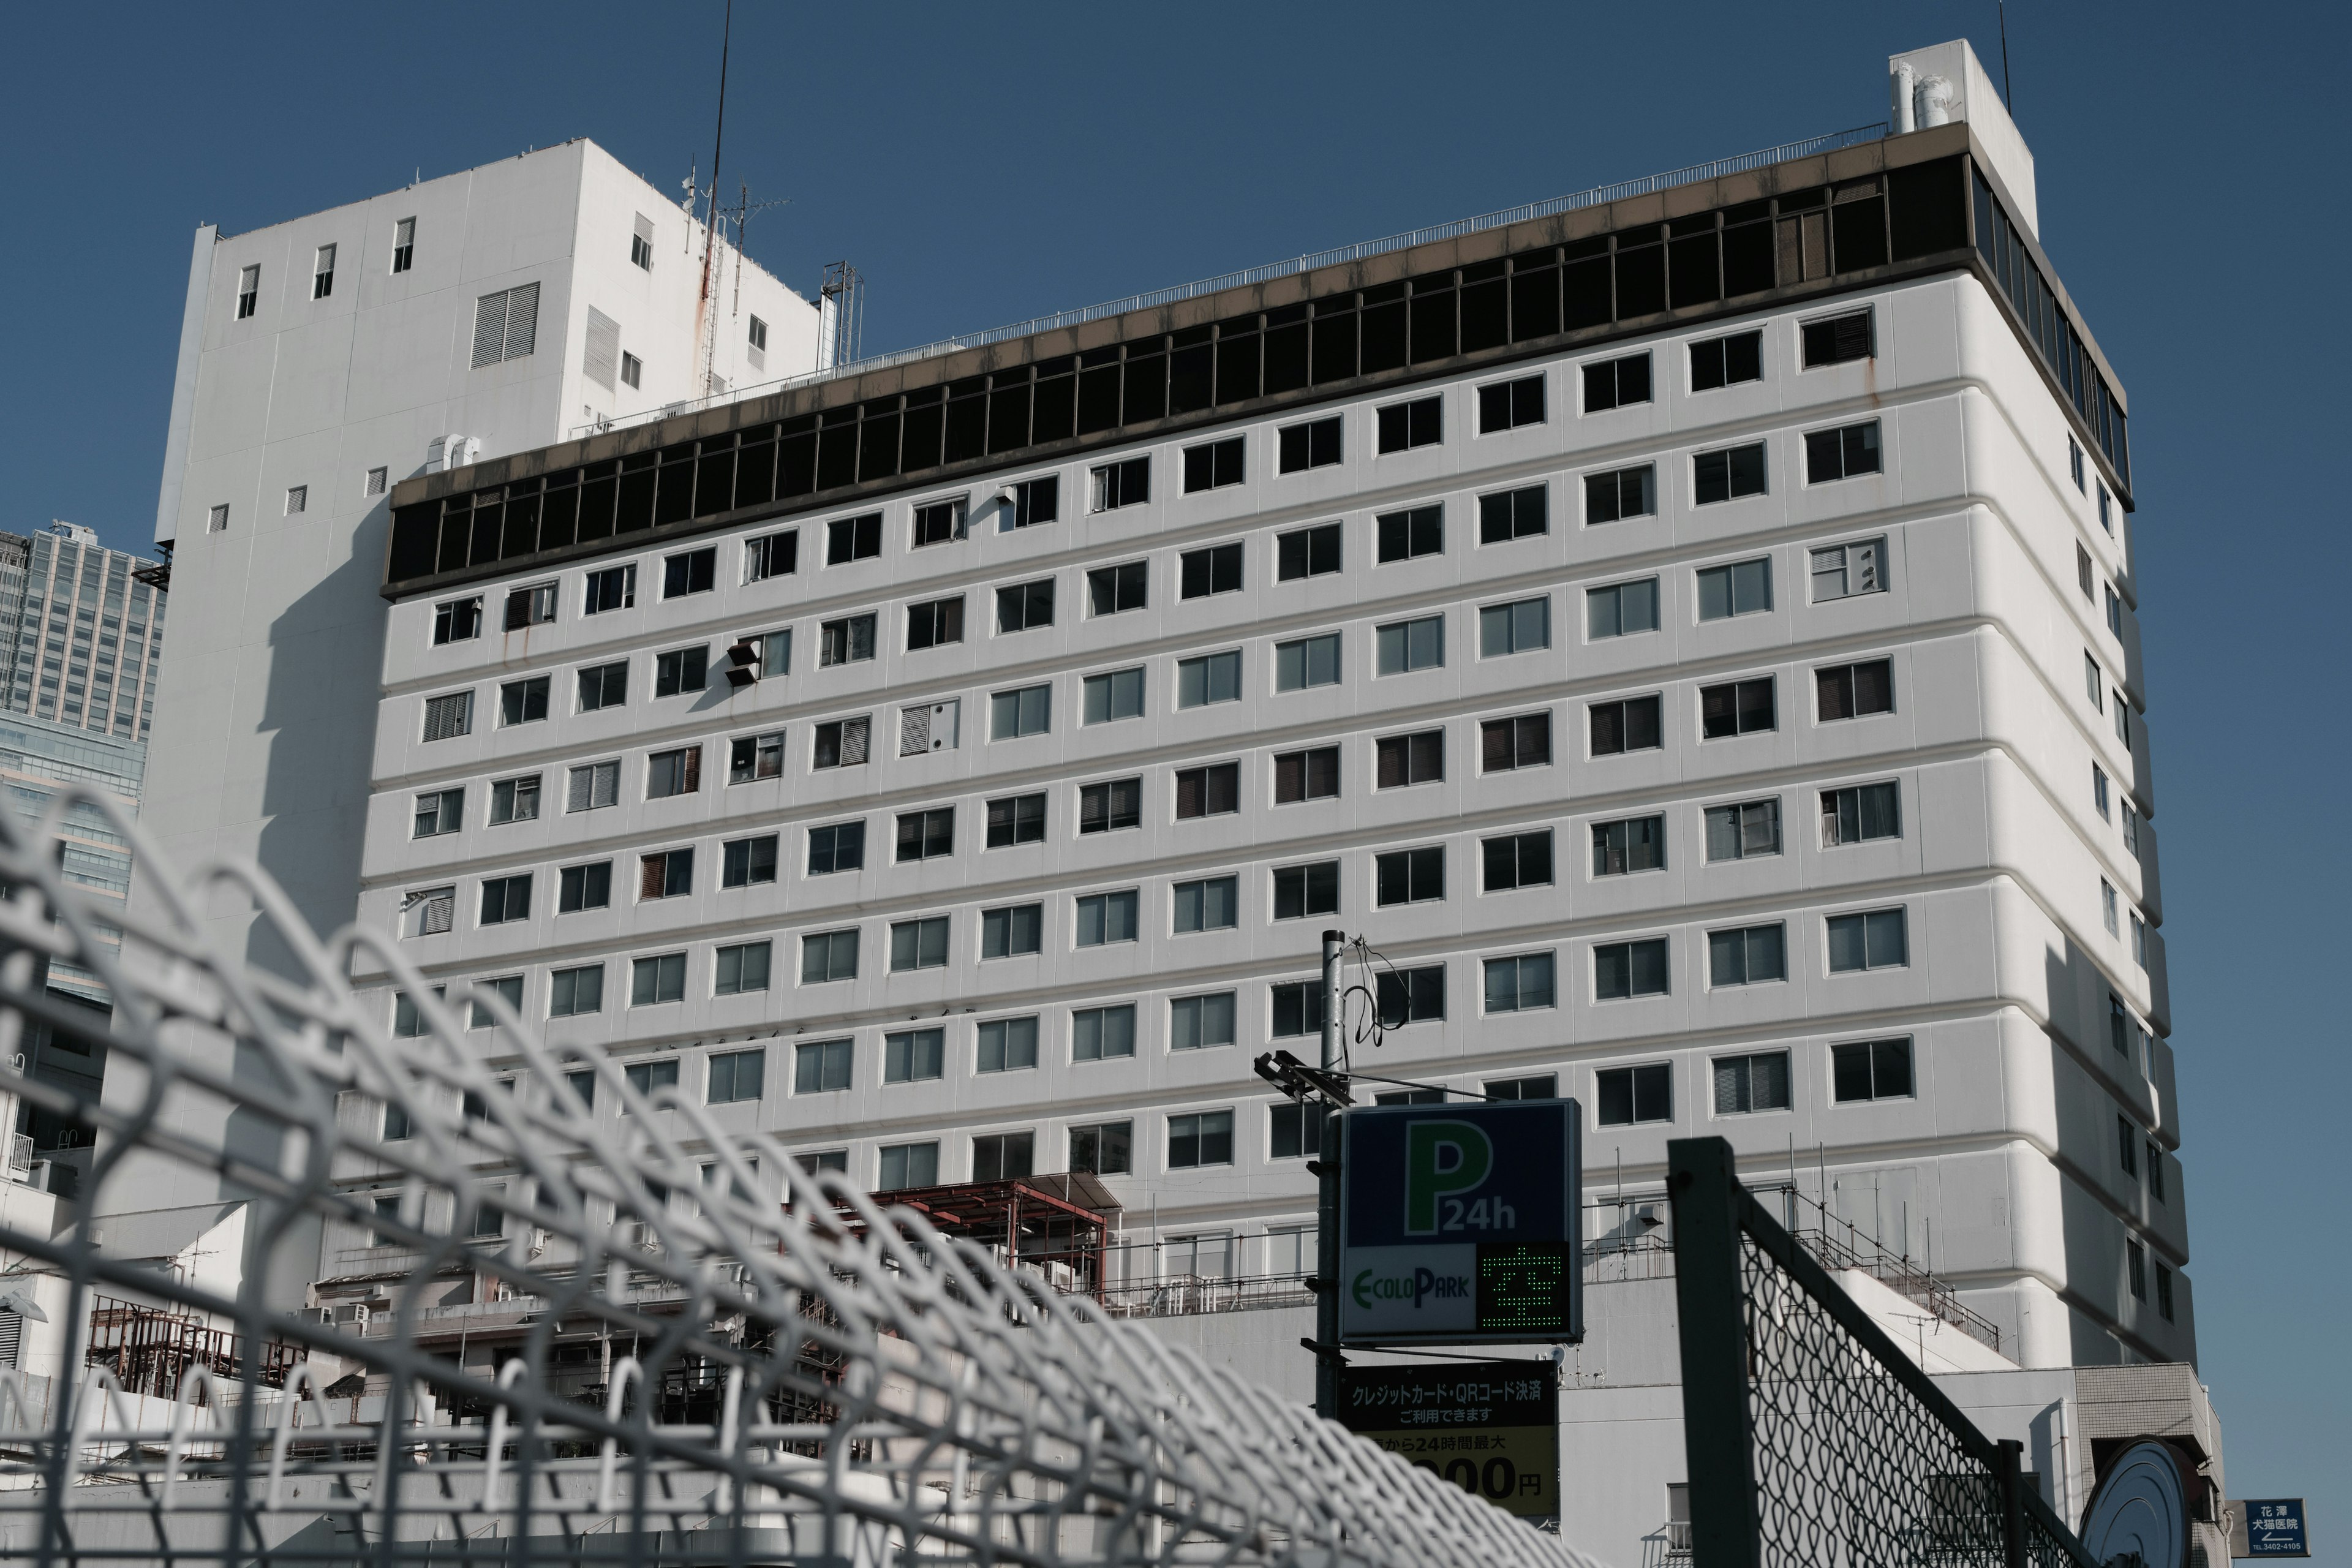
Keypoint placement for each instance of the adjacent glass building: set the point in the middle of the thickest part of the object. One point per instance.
(84, 635)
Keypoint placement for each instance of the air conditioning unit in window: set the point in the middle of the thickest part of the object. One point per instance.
(742, 664)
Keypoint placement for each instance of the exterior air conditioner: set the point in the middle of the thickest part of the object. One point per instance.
(742, 664)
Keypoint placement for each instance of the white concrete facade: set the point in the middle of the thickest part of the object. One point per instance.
(2005, 1163)
(298, 409)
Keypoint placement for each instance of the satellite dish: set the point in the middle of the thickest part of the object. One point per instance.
(2140, 1509)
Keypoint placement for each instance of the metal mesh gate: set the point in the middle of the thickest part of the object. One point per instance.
(454, 1309)
(1811, 1438)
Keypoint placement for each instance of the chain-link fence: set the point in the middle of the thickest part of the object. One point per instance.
(333, 1292)
(1812, 1437)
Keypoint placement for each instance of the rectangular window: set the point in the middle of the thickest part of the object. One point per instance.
(1303, 891)
(1410, 876)
(2139, 941)
(848, 539)
(1104, 1149)
(836, 847)
(2123, 720)
(1106, 808)
(1842, 571)
(2156, 1173)
(734, 1076)
(1843, 453)
(1025, 605)
(1212, 466)
(249, 294)
(1617, 383)
(641, 244)
(1115, 485)
(693, 572)
(588, 886)
(1106, 918)
(1517, 860)
(1306, 775)
(681, 670)
(848, 640)
(1211, 903)
(841, 742)
(1314, 445)
(940, 521)
(2135, 1256)
(1508, 744)
(1407, 760)
(613, 588)
(574, 993)
(2114, 613)
(1747, 1084)
(672, 773)
(821, 1067)
(751, 758)
(1306, 662)
(1521, 626)
(1206, 1138)
(2127, 1146)
(1726, 361)
(298, 501)
(907, 1165)
(322, 273)
(1404, 647)
(514, 800)
(1409, 535)
(1628, 725)
(1620, 493)
(1017, 819)
(1628, 1096)
(757, 336)
(1027, 711)
(1013, 932)
(2099, 790)
(748, 862)
(2107, 905)
(1736, 708)
(441, 811)
(1007, 1045)
(1738, 831)
(506, 325)
(1201, 1022)
(1214, 570)
(1213, 791)
(1508, 405)
(1004, 1156)
(926, 835)
(446, 718)
(1308, 551)
(2075, 462)
(653, 981)
(1739, 588)
(1837, 338)
(1747, 957)
(1113, 695)
(1855, 690)
(1622, 609)
(1102, 1033)
(1635, 844)
(458, 620)
(914, 1056)
(2106, 515)
(1729, 474)
(828, 955)
(1877, 940)
(1298, 1009)
(1035, 501)
(1293, 1131)
(1210, 677)
(1411, 995)
(1871, 1070)
(1113, 590)
(378, 481)
(603, 686)
(772, 555)
(632, 369)
(506, 898)
(1404, 425)
(666, 874)
(1863, 811)
(741, 969)
(1623, 969)
(533, 605)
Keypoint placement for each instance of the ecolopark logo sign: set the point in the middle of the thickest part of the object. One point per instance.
(1458, 1223)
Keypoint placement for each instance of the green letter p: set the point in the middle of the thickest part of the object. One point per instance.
(1441, 1158)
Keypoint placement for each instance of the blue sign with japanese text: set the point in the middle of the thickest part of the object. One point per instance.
(2274, 1527)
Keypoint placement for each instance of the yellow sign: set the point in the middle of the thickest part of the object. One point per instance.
(1517, 1469)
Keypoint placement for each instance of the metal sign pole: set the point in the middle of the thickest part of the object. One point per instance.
(1326, 1198)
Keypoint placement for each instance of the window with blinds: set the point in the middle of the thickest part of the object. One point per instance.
(602, 358)
(506, 325)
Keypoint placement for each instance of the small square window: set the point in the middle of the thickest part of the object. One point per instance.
(1855, 690)
(772, 555)
(1410, 876)
(1007, 1045)
(1115, 590)
(633, 369)
(1841, 454)
(514, 800)
(588, 886)
(1617, 383)
(849, 640)
(1408, 536)
(1117, 485)
(735, 1076)
(1206, 1138)
(1871, 1070)
(1740, 832)
(1035, 501)
(1748, 955)
(613, 588)
(1412, 996)
(748, 862)
(1314, 445)
(441, 811)
(1729, 474)
(914, 1056)
(1517, 860)
(1620, 493)
(1106, 918)
(1726, 361)
(1312, 774)
(751, 758)
(1300, 891)
(1214, 570)
(836, 847)
(1876, 939)
(1506, 515)
(1621, 609)
(575, 993)
(906, 1165)
(1506, 406)
(1013, 932)
(848, 539)
(1631, 845)
(1629, 724)
(378, 480)
(926, 835)
(1213, 791)
(1738, 708)
(1403, 760)
(1209, 903)
(821, 1067)
(1111, 696)
(1201, 1022)
(1109, 806)
(1102, 1033)
(828, 956)
(1208, 678)
(1522, 626)
(1747, 1084)
(1404, 425)
(1103, 1149)
(458, 620)
(1212, 466)
(1017, 819)
(1837, 338)
(1306, 662)
(1737, 588)
(1625, 969)
(666, 874)
(1630, 1096)
(681, 670)
(1308, 551)
(653, 981)
(1029, 710)
(1508, 744)
(1024, 607)
(1404, 647)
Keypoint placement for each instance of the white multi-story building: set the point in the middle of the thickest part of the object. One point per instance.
(323, 361)
(1690, 635)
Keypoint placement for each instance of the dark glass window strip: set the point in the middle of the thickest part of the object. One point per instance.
(2002, 246)
(1525, 298)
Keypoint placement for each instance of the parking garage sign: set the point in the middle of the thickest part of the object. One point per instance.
(1457, 1223)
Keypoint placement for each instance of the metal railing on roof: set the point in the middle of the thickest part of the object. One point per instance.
(1597, 197)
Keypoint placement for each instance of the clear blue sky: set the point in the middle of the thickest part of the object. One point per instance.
(985, 164)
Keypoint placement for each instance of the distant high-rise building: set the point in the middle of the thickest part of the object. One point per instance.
(81, 634)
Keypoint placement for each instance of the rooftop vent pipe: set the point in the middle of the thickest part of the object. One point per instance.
(1903, 83)
(1936, 99)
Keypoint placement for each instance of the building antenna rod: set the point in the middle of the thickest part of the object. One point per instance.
(711, 229)
(2001, 7)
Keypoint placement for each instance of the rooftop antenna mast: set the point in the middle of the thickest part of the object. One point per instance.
(710, 227)
(743, 208)
(2008, 99)
(843, 295)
